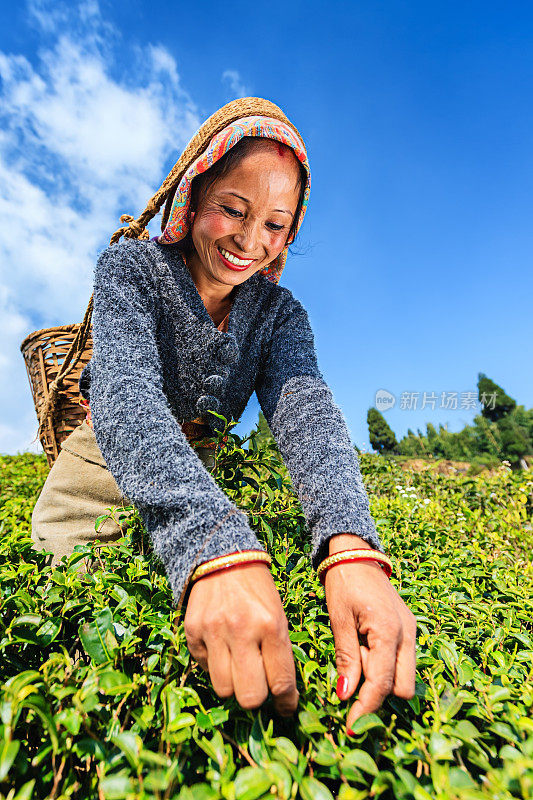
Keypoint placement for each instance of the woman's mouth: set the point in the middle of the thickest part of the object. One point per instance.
(234, 262)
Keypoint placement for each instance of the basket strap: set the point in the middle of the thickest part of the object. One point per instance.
(71, 359)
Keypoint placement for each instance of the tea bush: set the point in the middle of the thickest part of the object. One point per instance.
(99, 697)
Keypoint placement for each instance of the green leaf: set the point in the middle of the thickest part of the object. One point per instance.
(313, 789)
(465, 730)
(49, 631)
(97, 637)
(214, 748)
(269, 532)
(366, 723)
(251, 783)
(465, 672)
(512, 753)
(27, 619)
(113, 681)
(360, 760)
(325, 754)
(442, 747)
(117, 787)
(70, 718)
(310, 722)
(199, 791)
(89, 747)
(281, 779)
(349, 793)
(460, 779)
(180, 721)
(26, 791)
(286, 748)
(309, 668)
(130, 744)
(256, 744)
(8, 752)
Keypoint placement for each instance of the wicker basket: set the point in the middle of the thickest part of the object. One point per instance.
(44, 352)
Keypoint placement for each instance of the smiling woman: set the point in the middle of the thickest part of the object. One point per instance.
(192, 322)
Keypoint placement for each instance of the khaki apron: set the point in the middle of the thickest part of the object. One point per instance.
(78, 489)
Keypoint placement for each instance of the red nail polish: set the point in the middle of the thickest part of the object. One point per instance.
(350, 732)
(342, 685)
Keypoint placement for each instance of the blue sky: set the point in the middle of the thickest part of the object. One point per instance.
(414, 258)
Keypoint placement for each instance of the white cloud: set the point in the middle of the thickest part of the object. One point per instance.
(235, 83)
(79, 146)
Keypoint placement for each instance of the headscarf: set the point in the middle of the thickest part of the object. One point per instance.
(177, 225)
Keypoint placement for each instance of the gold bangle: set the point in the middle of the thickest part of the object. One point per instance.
(221, 562)
(360, 554)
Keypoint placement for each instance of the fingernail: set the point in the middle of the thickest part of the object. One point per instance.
(342, 685)
(350, 732)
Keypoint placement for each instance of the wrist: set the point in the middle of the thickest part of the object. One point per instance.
(346, 541)
(229, 561)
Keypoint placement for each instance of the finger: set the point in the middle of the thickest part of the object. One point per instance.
(198, 650)
(219, 665)
(364, 658)
(379, 669)
(248, 674)
(347, 653)
(405, 678)
(280, 672)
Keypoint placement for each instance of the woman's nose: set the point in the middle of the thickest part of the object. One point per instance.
(248, 238)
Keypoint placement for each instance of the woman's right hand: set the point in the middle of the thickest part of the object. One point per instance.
(237, 630)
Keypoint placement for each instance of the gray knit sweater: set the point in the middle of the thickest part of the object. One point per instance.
(159, 360)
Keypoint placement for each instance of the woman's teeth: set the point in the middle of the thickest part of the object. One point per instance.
(239, 262)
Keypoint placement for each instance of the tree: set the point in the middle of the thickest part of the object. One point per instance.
(514, 438)
(264, 434)
(496, 403)
(411, 445)
(381, 437)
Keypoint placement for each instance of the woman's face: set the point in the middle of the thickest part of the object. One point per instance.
(243, 220)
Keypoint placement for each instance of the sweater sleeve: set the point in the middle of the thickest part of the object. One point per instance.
(188, 517)
(312, 435)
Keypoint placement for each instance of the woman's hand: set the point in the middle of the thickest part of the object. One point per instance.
(361, 600)
(237, 630)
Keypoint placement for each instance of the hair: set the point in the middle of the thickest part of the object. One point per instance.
(201, 184)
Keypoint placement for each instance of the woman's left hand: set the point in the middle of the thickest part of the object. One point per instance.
(363, 602)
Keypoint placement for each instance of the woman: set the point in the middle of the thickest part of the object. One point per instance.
(194, 321)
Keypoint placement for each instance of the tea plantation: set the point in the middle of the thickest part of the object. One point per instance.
(100, 699)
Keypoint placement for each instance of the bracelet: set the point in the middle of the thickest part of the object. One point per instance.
(361, 554)
(222, 562)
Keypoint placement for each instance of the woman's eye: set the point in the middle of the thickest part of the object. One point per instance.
(274, 227)
(232, 211)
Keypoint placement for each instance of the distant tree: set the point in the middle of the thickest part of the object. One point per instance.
(502, 430)
(264, 434)
(496, 403)
(514, 440)
(514, 435)
(411, 445)
(381, 436)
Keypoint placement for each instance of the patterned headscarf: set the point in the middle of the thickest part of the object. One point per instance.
(177, 226)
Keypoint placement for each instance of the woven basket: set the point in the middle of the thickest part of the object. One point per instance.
(44, 352)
